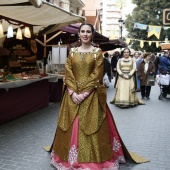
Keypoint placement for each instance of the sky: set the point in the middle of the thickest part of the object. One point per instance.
(128, 8)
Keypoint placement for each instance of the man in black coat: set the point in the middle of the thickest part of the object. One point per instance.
(107, 66)
(114, 61)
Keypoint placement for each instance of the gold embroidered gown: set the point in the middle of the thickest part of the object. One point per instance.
(125, 95)
(86, 137)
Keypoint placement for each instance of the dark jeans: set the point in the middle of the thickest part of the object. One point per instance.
(145, 91)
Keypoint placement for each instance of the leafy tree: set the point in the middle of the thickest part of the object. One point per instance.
(149, 12)
(121, 3)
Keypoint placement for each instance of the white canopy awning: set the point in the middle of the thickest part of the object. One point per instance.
(47, 14)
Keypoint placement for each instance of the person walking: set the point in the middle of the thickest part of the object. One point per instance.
(138, 59)
(107, 66)
(164, 69)
(86, 137)
(125, 82)
(114, 60)
(156, 63)
(145, 69)
(164, 63)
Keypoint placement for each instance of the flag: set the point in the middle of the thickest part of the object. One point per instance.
(154, 30)
(141, 44)
(127, 40)
(157, 44)
(150, 42)
(140, 26)
(165, 28)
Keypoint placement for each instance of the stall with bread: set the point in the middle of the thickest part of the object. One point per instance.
(23, 87)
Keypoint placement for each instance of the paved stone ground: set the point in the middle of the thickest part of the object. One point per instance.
(145, 129)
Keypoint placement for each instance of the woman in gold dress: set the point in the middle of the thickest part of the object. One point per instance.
(125, 82)
(86, 137)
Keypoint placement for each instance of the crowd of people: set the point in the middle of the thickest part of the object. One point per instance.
(144, 73)
(86, 136)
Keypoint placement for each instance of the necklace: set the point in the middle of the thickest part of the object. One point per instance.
(127, 59)
(81, 57)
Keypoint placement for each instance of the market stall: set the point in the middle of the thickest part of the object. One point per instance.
(165, 46)
(112, 44)
(23, 96)
(23, 88)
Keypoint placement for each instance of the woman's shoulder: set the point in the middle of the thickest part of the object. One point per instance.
(73, 49)
(96, 49)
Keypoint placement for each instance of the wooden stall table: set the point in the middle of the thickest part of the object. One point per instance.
(23, 96)
(55, 88)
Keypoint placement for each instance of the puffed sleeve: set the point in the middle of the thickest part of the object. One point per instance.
(69, 79)
(118, 67)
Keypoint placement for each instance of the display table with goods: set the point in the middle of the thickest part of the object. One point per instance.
(23, 94)
(55, 88)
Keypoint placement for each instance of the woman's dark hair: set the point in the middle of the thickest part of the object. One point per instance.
(90, 25)
(146, 54)
(126, 49)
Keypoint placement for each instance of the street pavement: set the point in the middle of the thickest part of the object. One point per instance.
(145, 129)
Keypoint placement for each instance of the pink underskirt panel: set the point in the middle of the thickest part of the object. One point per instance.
(72, 164)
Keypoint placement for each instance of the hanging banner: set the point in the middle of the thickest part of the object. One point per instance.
(141, 44)
(157, 44)
(165, 28)
(127, 40)
(154, 30)
(140, 26)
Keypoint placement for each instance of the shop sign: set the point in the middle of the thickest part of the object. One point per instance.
(166, 16)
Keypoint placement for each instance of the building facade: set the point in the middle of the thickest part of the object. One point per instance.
(73, 6)
(92, 13)
(109, 16)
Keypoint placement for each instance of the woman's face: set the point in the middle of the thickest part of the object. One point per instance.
(148, 58)
(86, 34)
(126, 53)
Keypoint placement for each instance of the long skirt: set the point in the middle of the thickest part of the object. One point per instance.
(118, 149)
(125, 95)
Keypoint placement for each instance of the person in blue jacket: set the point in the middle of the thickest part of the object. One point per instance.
(164, 63)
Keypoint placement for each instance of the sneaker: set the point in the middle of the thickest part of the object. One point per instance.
(143, 97)
(148, 98)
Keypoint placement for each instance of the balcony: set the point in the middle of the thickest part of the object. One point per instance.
(77, 3)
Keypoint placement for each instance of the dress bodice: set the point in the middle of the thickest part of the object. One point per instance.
(83, 64)
(126, 66)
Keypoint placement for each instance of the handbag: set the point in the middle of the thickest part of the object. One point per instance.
(165, 79)
(151, 80)
(106, 79)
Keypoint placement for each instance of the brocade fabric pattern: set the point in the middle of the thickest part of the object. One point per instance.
(86, 134)
(84, 73)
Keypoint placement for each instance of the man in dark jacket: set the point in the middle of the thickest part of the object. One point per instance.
(164, 63)
(107, 66)
(114, 61)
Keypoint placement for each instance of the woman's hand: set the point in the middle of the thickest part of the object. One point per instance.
(81, 97)
(125, 76)
(73, 96)
(77, 98)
